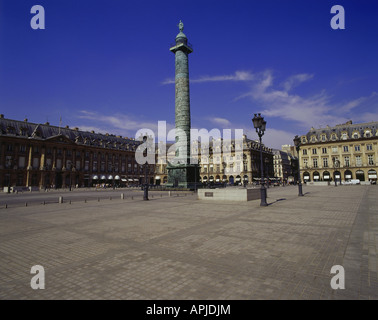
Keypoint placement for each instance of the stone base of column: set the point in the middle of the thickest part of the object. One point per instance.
(183, 176)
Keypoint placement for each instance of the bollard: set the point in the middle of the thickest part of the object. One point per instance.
(152, 195)
(60, 199)
(132, 198)
(6, 206)
(110, 198)
(169, 193)
(26, 204)
(122, 196)
(44, 202)
(70, 201)
(85, 201)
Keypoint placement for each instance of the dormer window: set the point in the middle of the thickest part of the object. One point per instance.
(11, 130)
(355, 135)
(323, 137)
(367, 134)
(344, 136)
(333, 137)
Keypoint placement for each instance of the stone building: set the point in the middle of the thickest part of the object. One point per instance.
(343, 152)
(284, 166)
(42, 155)
(217, 168)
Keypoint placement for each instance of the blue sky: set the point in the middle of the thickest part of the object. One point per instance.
(106, 65)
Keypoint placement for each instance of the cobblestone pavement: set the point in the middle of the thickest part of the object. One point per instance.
(183, 248)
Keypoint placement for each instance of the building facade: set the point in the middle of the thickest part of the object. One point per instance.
(44, 156)
(342, 153)
(223, 164)
(284, 166)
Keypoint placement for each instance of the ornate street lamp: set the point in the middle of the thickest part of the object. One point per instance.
(336, 164)
(260, 125)
(297, 143)
(145, 195)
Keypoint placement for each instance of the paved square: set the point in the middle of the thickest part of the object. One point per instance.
(183, 248)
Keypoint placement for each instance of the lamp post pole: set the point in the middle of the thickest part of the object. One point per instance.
(297, 143)
(145, 194)
(336, 164)
(260, 124)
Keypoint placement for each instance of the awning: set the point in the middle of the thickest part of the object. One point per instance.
(123, 180)
(238, 179)
(110, 177)
(131, 180)
(372, 176)
(326, 177)
(217, 180)
(95, 177)
(337, 176)
(103, 177)
(136, 179)
(117, 177)
(306, 177)
(348, 176)
(157, 178)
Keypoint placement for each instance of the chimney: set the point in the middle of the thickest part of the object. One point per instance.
(1, 116)
(26, 119)
(67, 127)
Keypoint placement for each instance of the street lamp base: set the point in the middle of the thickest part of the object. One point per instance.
(263, 202)
(300, 193)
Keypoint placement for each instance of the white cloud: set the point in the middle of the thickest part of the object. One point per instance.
(296, 80)
(221, 122)
(237, 76)
(116, 124)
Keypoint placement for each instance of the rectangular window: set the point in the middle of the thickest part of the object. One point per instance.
(370, 159)
(48, 163)
(21, 162)
(59, 164)
(346, 161)
(314, 151)
(78, 165)
(346, 149)
(8, 161)
(369, 147)
(86, 165)
(323, 137)
(94, 167)
(304, 152)
(315, 162)
(334, 149)
(324, 150)
(68, 164)
(325, 162)
(305, 163)
(357, 148)
(35, 163)
(358, 161)
(10, 147)
(22, 148)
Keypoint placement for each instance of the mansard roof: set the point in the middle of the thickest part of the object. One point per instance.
(339, 129)
(35, 131)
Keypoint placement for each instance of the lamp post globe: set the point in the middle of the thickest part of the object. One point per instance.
(260, 125)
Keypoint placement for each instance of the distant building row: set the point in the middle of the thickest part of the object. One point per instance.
(344, 152)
